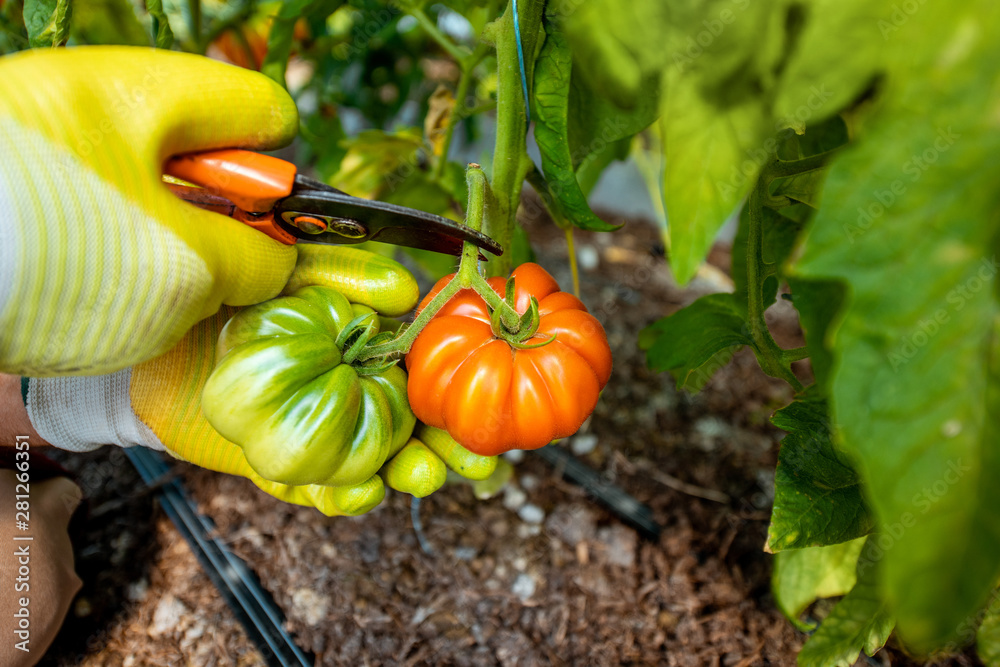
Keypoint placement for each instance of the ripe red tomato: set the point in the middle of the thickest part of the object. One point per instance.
(491, 396)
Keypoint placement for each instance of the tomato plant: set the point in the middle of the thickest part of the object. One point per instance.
(853, 143)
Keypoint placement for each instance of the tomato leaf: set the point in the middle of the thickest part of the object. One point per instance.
(837, 55)
(861, 621)
(551, 99)
(916, 375)
(817, 494)
(595, 122)
(279, 49)
(712, 158)
(107, 22)
(163, 36)
(818, 304)
(696, 341)
(806, 187)
(987, 635)
(47, 22)
(801, 576)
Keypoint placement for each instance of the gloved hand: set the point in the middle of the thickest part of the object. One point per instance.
(101, 267)
(158, 403)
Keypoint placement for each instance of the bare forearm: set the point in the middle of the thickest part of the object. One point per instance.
(13, 415)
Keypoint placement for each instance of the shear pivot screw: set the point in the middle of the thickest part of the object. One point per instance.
(310, 225)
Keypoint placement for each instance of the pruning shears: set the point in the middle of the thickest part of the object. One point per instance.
(268, 194)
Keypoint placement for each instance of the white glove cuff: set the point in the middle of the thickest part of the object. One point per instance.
(80, 414)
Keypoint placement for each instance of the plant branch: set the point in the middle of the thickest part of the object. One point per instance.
(769, 355)
(453, 49)
(510, 163)
(194, 7)
(783, 168)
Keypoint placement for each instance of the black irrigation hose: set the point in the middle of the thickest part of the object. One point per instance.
(627, 508)
(253, 606)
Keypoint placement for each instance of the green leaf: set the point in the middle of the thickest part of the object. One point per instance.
(818, 304)
(696, 341)
(712, 158)
(595, 122)
(988, 634)
(861, 621)
(378, 162)
(551, 94)
(837, 55)
(817, 494)
(806, 187)
(163, 37)
(281, 36)
(47, 22)
(801, 576)
(915, 378)
(107, 22)
(279, 49)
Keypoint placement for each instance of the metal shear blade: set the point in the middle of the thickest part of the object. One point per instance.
(316, 213)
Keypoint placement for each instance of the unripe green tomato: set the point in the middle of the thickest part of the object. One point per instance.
(282, 392)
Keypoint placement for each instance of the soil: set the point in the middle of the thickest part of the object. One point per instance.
(539, 574)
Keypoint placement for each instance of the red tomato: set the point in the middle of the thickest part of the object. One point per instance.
(491, 396)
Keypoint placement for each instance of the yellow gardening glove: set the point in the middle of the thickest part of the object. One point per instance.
(158, 403)
(101, 267)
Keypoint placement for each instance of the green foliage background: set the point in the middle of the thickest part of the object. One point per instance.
(855, 141)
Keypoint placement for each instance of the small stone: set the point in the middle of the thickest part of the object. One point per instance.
(465, 553)
(525, 530)
(584, 444)
(619, 544)
(166, 616)
(309, 605)
(528, 482)
(588, 257)
(137, 590)
(524, 587)
(573, 524)
(514, 498)
(532, 514)
(514, 456)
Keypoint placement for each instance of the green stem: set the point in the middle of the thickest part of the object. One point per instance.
(572, 262)
(783, 168)
(194, 7)
(453, 49)
(510, 162)
(459, 113)
(467, 277)
(769, 354)
(795, 354)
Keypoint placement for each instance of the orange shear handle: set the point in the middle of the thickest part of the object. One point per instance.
(252, 181)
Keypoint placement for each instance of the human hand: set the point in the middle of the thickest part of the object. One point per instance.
(101, 267)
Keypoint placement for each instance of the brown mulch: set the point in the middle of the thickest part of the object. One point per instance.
(538, 575)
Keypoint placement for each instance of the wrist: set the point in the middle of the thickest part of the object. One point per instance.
(14, 420)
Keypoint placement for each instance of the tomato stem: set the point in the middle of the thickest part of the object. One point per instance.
(770, 356)
(467, 277)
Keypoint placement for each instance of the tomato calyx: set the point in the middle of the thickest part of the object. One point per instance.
(359, 334)
(525, 327)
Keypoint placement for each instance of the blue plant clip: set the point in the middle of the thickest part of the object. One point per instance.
(520, 61)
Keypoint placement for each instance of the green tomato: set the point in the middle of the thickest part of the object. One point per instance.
(282, 392)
